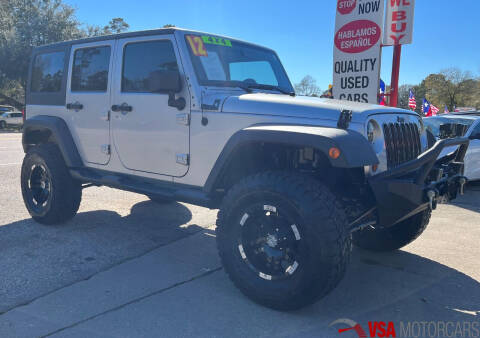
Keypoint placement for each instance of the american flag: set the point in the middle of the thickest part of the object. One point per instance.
(412, 103)
(446, 110)
(434, 109)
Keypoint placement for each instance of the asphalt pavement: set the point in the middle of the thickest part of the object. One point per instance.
(127, 267)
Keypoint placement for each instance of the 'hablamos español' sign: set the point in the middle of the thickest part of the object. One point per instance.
(356, 56)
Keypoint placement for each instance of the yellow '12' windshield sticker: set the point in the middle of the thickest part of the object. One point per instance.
(211, 40)
(197, 46)
(197, 43)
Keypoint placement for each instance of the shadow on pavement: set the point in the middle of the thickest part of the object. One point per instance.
(36, 259)
(397, 286)
(471, 199)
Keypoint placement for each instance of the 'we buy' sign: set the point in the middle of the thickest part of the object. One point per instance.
(399, 22)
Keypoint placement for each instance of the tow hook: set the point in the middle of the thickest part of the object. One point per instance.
(431, 194)
(462, 181)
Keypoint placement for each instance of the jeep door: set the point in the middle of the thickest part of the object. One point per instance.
(149, 135)
(88, 99)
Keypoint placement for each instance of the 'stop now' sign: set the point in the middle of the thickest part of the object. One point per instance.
(399, 22)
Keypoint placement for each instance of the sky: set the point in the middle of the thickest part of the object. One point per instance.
(446, 32)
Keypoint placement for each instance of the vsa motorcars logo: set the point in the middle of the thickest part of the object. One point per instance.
(376, 329)
(411, 329)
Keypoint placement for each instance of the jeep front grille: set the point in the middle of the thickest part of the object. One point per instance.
(402, 142)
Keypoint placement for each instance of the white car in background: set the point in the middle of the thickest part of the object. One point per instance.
(471, 121)
(10, 117)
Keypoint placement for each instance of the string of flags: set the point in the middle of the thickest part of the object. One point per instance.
(428, 109)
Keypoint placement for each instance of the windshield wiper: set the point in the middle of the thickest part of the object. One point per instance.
(270, 87)
(245, 88)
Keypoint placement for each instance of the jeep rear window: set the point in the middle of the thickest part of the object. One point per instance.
(47, 73)
(224, 62)
(90, 69)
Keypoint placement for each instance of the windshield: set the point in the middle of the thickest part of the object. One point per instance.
(433, 124)
(229, 63)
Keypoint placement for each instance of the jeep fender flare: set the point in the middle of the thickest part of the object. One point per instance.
(355, 150)
(42, 129)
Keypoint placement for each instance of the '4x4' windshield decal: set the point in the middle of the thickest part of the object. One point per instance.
(197, 43)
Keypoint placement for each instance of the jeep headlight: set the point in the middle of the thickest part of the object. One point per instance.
(374, 135)
(371, 131)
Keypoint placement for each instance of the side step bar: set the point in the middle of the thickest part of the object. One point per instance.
(142, 185)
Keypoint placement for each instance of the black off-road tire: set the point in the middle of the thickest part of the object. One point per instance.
(322, 226)
(63, 201)
(394, 237)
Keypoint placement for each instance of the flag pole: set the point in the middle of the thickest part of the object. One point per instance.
(397, 53)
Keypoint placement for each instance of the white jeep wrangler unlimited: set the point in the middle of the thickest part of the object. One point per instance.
(193, 117)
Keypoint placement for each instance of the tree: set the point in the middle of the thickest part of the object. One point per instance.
(452, 87)
(476, 96)
(404, 95)
(116, 26)
(25, 24)
(307, 87)
(168, 25)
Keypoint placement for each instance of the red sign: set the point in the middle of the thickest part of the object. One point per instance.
(357, 36)
(346, 6)
(399, 22)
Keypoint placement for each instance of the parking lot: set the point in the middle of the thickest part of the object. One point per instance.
(125, 266)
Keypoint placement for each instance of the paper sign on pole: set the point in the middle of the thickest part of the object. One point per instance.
(356, 56)
(399, 22)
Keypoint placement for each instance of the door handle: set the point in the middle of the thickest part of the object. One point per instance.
(124, 108)
(75, 106)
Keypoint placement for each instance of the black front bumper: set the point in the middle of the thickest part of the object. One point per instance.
(417, 185)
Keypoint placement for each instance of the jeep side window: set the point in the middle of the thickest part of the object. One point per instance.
(141, 59)
(47, 72)
(90, 69)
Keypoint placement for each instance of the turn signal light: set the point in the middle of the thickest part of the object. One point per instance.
(334, 153)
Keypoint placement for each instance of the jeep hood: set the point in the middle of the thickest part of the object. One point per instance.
(302, 106)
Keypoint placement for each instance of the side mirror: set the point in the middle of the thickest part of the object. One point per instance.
(475, 136)
(167, 81)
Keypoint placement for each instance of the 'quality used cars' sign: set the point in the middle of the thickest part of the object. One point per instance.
(356, 56)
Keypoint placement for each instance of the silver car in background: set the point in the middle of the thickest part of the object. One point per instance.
(471, 122)
(10, 117)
